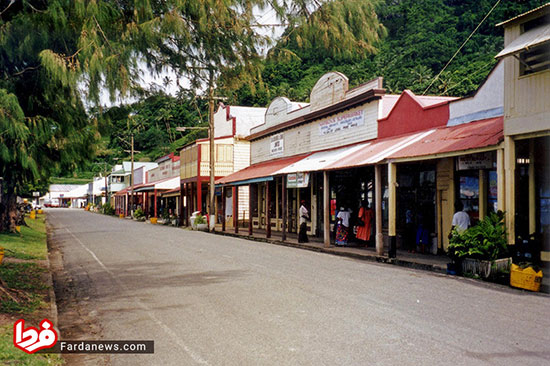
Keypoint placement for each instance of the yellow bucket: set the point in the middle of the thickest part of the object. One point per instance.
(153, 220)
(40, 212)
(33, 215)
(526, 278)
(121, 216)
(1, 254)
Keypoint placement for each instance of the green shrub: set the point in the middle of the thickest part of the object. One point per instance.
(138, 214)
(107, 209)
(484, 241)
(200, 219)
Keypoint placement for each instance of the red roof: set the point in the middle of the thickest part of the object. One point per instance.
(463, 137)
(377, 150)
(260, 170)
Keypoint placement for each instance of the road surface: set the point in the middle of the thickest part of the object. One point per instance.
(212, 300)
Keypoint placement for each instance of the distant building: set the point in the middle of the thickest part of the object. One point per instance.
(231, 125)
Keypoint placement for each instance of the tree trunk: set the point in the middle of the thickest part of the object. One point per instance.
(9, 215)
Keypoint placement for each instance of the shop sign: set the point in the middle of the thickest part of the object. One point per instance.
(277, 145)
(475, 161)
(297, 180)
(342, 122)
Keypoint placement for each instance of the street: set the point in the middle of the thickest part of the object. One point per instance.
(214, 300)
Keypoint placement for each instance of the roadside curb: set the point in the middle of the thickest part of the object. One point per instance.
(342, 253)
(51, 290)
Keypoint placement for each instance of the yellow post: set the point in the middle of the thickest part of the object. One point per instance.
(501, 204)
(392, 208)
(510, 169)
(532, 189)
(392, 199)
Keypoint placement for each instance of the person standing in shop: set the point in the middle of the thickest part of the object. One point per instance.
(461, 219)
(304, 216)
(364, 223)
(342, 232)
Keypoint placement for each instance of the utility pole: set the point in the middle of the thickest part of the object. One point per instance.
(212, 208)
(132, 179)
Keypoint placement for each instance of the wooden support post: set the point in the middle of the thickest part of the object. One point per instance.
(378, 209)
(392, 208)
(277, 200)
(532, 189)
(199, 196)
(284, 206)
(236, 209)
(267, 213)
(250, 231)
(326, 209)
(482, 194)
(181, 209)
(501, 205)
(223, 208)
(155, 197)
(510, 168)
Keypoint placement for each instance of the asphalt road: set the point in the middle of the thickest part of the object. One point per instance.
(212, 300)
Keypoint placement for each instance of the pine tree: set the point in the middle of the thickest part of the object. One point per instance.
(55, 54)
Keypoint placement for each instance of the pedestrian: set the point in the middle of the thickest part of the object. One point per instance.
(461, 219)
(304, 217)
(342, 231)
(364, 223)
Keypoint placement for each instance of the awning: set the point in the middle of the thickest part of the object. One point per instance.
(456, 139)
(378, 150)
(532, 38)
(171, 193)
(320, 160)
(259, 172)
(164, 184)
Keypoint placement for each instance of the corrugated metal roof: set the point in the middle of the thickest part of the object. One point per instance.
(378, 150)
(260, 170)
(463, 137)
(544, 8)
(320, 160)
(529, 39)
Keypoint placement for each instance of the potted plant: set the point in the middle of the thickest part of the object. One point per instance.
(481, 249)
(200, 223)
(165, 218)
(174, 220)
(139, 215)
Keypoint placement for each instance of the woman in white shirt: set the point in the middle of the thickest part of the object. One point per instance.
(304, 216)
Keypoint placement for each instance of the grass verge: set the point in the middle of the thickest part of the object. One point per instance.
(30, 244)
(9, 355)
(24, 290)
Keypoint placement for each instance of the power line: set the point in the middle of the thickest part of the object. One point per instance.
(460, 48)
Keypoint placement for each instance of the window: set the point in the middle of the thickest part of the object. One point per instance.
(535, 59)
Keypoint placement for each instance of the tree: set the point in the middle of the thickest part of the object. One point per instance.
(49, 51)
(55, 54)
